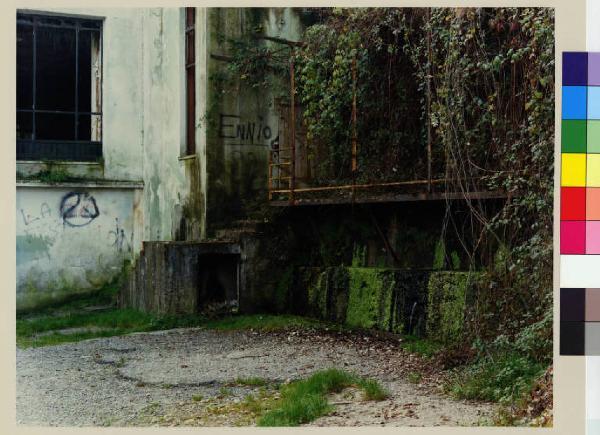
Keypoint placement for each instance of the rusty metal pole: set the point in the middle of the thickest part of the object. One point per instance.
(429, 60)
(292, 129)
(270, 175)
(354, 132)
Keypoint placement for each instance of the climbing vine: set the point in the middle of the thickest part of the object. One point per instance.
(490, 113)
(476, 86)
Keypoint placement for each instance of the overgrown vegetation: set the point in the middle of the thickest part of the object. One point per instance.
(421, 346)
(506, 368)
(477, 84)
(52, 173)
(54, 327)
(305, 400)
(502, 378)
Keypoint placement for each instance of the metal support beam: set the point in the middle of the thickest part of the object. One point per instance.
(292, 129)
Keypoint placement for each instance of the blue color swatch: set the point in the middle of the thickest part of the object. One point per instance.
(574, 102)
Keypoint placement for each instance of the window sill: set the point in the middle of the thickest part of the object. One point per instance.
(105, 184)
(61, 162)
(188, 157)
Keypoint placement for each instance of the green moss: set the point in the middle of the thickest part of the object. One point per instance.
(282, 289)
(359, 256)
(51, 174)
(337, 296)
(370, 298)
(455, 260)
(446, 305)
(439, 256)
(63, 292)
(317, 292)
(56, 172)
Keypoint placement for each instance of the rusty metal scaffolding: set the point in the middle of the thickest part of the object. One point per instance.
(283, 188)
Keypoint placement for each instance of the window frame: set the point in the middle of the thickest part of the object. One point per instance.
(76, 150)
(189, 63)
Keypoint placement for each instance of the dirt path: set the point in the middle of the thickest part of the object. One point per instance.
(185, 377)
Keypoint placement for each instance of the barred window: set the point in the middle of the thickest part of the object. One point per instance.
(59, 88)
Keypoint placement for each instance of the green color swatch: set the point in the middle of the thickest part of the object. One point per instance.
(593, 136)
(573, 136)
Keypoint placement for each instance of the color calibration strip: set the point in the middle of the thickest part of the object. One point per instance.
(580, 321)
(580, 148)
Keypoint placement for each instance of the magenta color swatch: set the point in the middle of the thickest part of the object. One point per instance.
(594, 69)
(572, 237)
(592, 237)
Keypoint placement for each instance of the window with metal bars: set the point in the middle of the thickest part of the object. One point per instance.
(190, 80)
(59, 88)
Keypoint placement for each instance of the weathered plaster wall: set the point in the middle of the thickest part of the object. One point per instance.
(243, 121)
(165, 187)
(72, 239)
(142, 173)
(74, 236)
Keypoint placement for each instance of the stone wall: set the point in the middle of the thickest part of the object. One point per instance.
(423, 303)
(180, 277)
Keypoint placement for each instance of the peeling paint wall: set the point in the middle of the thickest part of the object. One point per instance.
(75, 236)
(71, 240)
(243, 123)
(169, 196)
(163, 92)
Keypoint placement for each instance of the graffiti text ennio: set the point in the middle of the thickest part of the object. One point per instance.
(240, 132)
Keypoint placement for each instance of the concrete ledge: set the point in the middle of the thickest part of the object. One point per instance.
(200, 248)
(104, 184)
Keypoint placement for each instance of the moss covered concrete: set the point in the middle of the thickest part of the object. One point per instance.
(370, 298)
(413, 302)
(448, 296)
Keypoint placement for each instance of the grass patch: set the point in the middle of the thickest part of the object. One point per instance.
(243, 413)
(114, 322)
(305, 400)
(225, 392)
(77, 301)
(373, 390)
(259, 405)
(251, 382)
(421, 346)
(505, 378)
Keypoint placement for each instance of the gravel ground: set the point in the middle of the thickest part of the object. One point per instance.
(173, 377)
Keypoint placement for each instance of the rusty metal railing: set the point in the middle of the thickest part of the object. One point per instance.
(282, 172)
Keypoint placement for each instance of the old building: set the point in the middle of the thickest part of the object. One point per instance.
(166, 146)
(113, 147)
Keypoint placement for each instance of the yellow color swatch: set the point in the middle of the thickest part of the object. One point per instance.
(593, 170)
(573, 170)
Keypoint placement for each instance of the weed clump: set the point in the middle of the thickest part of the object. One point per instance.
(305, 400)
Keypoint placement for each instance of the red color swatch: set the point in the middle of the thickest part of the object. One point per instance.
(572, 237)
(572, 203)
